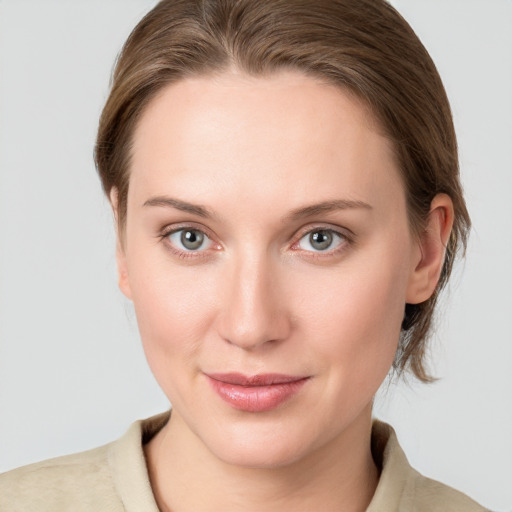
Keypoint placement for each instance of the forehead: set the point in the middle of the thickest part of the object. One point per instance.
(260, 137)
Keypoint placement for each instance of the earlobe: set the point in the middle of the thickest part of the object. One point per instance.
(122, 270)
(122, 266)
(431, 250)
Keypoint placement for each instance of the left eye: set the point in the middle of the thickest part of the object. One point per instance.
(321, 240)
(189, 240)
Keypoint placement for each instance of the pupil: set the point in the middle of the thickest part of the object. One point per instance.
(320, 240)
(192, 239)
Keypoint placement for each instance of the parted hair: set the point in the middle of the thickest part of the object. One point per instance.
(362, 46)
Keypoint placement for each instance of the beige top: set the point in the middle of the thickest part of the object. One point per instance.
(114, 478)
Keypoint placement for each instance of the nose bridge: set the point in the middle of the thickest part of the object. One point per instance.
(252, 313)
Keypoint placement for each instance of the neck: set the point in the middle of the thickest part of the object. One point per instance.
(340, 475)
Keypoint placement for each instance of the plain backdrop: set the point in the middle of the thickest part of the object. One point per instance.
(72, 372)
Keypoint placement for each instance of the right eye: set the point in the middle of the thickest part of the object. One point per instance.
(189, 240)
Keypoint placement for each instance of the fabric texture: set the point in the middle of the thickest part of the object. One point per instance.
(114, 478)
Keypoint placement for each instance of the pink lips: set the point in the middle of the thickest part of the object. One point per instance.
(257, 393)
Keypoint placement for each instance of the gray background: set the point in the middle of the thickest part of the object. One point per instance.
(72, 372)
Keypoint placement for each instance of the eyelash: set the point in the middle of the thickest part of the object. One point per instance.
(346, 240)
(185, 254)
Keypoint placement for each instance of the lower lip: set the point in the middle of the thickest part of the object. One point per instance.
(256, 398)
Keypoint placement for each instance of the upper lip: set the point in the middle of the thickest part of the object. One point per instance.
(263, 379)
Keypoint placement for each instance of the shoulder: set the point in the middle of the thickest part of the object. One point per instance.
(111, 478)
(402, 489)
(61, 483)
(424, 494)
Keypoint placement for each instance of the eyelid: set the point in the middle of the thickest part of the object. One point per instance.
(178, 226)
(322, 226)
(174, 236)
(346, 234)
(181, 226)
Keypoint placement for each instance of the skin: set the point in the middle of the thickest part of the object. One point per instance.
(258, 297)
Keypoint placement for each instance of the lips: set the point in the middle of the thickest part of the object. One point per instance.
(255, 393)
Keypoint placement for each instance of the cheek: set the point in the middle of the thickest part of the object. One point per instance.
(354, 314)
(174, 307)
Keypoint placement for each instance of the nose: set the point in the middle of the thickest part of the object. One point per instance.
(253, 305)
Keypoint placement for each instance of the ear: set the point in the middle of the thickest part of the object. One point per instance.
(122, 265)
(431, 250)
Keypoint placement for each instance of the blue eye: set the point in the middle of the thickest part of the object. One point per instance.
(321, 240)
(189, 240)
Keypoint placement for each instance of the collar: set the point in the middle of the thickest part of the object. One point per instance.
(397, 490)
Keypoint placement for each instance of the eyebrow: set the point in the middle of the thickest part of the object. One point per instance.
(299, 213)
(184, 206)
(326, 207)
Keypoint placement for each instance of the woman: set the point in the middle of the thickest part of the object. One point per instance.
(285, 186)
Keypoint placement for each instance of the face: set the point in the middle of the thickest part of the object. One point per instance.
(269, 258)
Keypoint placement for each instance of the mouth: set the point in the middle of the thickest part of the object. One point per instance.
(255, 393)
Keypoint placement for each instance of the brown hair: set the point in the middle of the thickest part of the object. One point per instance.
(363, 46)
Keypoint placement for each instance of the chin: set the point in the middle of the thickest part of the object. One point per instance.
(263, 445)
(257, 455)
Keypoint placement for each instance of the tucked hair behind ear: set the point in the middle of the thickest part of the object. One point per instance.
(362, 46)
